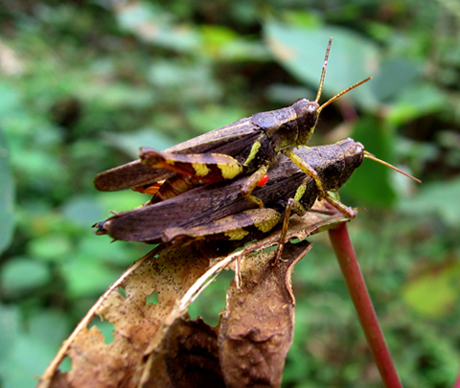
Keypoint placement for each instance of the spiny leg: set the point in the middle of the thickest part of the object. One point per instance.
(292, 205)
(345, 210)
(307, 169)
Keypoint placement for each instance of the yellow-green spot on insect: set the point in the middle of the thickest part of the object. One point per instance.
(300, 192)
(236, 234)
(269, 222)
(229, 171)
(201, 169)
(254, 150)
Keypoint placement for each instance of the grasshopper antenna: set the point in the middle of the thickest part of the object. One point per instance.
(321, 82)
(323, 73)
(370, 156)
(342, 93)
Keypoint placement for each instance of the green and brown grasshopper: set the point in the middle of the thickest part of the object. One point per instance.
(248, 146)
(220, 210)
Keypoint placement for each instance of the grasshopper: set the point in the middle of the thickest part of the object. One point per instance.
(248, 146)
(221, 211)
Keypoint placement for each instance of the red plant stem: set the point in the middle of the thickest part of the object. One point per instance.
(343, 247)
(457, 383)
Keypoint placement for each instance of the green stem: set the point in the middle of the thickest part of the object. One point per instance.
(343, 247)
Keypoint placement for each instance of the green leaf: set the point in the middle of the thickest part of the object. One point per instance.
(7, 191)
(370, 184)
(223, 43)
(51, 326)
(9, 322)
(120, 201)
(213, 116)
(395, 74)
(154, 25)
(417, 101)
(438, 198)
(28, 353)
(130, 142)
(20, 274)
(193, 82)
(52, 247)
(117, 96)
(86, 277)
(83, 210)
(100, 248)
(432, 294)
(301, 50)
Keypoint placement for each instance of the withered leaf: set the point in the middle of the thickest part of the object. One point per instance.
(257, 325)
(150, 339)
(193, 359)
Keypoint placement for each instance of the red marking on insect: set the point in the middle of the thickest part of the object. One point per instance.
(263, 180)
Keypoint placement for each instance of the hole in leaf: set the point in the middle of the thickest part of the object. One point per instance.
(105, 327)
(152, 299)
(122, 292)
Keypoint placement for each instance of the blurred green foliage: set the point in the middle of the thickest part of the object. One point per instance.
(83, 84)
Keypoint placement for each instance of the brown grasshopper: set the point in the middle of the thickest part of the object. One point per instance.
(248, 146)
(220, 211)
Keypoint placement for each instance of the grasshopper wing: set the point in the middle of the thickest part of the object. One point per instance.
(231, 140)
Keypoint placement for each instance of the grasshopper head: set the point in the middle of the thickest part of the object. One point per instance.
(353, 153)
(307, 116)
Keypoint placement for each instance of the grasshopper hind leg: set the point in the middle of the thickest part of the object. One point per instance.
(307, 169)
(295, 205)
(322, 194)
(292, 206)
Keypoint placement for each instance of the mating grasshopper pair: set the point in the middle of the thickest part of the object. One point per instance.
(220, 210)
(247, 148)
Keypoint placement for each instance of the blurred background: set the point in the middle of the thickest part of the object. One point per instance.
(83, 84)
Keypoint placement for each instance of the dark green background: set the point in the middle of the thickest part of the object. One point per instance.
(83, 84)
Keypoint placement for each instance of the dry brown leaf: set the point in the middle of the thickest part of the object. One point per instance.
(193, 356)
(149, 343)
(257, 325)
